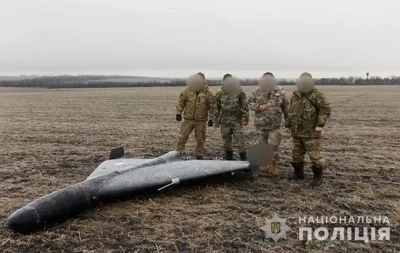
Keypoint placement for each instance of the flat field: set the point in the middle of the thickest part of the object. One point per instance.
(54, 138)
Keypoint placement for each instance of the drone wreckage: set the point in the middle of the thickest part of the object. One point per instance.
(119, 177)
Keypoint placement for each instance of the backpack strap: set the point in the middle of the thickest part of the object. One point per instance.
(313, 104)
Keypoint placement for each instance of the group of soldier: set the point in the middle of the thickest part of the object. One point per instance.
(305, 116)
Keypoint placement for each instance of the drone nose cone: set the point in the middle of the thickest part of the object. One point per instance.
(24, 220)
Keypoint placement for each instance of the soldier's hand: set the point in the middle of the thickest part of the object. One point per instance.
(244, 123)
(287, 131)
(318, 131)
(215, 125)
(178, 117)
(210, 123)
(263, 107)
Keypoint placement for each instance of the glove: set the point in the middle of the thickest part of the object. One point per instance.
(210, 123)
(178, 117)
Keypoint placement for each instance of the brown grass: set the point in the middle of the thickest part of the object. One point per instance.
(53, 138)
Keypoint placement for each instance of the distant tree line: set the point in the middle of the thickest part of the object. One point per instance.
(118, 81)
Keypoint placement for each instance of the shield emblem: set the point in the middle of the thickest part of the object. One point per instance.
(275, 227)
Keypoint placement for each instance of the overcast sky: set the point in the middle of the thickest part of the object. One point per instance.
(179, 37)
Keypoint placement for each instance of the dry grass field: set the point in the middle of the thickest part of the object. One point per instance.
(54, 138)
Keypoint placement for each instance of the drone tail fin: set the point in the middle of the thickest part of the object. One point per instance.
(117, 153)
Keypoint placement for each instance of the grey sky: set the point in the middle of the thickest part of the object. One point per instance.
(179, 37)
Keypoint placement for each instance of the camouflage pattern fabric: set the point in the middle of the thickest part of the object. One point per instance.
(311, 146)
(230, 107)
(230, 110)
(306, 74)
(187, 128)
(277, 103)
(234, 130)
(272, 137)
(195, 105)
(307, 112)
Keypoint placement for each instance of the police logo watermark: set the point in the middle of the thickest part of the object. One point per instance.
(275, 228)
(343, 228)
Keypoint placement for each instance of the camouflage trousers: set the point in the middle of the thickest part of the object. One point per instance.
(272, 137)
(187, 128)
(234, 130)
(311, 146)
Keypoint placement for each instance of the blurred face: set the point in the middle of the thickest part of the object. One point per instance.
(268, 83)
(195, 83)
(305, 84)
(231, 85)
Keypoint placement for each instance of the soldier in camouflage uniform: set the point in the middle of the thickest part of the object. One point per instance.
(196, 101)
(231, 112)
(269, 103)
(308, 113)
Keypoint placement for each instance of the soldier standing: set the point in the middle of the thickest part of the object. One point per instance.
(308, 113)
(269, 103)
(196, 101)
(231, 113)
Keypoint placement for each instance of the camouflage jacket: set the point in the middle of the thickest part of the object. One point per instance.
(278, 104)
(307, 112)
(230, 108)
(195, 106)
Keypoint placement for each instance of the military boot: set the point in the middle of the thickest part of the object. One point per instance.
(317, 181)
(270, 169)
(274, 170)
(265, 168)
(229, 155)
(198, 157)
(298, 171)
(243, 156)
